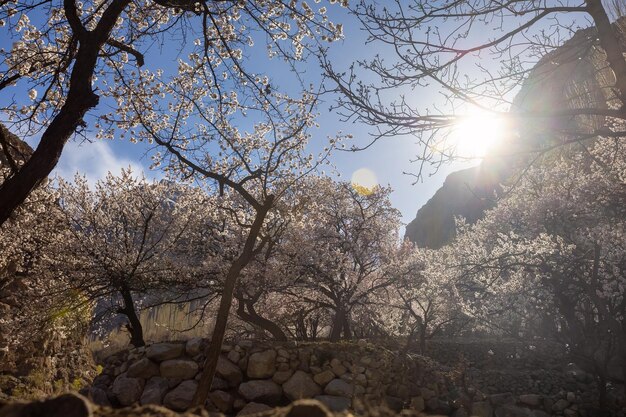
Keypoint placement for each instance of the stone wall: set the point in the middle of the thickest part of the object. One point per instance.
(497, 354)
(254, 376)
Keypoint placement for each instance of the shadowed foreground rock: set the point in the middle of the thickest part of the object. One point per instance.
(74, 405)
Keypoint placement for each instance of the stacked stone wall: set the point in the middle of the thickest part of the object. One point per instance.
(254, 376)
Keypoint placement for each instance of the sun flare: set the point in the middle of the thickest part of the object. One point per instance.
(364, 180)
(476, 133)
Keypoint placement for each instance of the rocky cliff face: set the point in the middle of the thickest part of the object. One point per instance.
(467, 193)
(576, 75)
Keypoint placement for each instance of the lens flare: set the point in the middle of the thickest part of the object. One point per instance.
(364, 181)
(476, 133)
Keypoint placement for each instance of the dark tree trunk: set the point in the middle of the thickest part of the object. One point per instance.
(252, 317)
(423, 339)
(80, 99)
(338, 322)
(134, 327)
(347, 331)
(213, 350)
(601, 379)
(301, 330)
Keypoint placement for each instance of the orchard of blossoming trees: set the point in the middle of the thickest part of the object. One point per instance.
(243, 224)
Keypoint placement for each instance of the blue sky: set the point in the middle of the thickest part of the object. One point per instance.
(388, 159)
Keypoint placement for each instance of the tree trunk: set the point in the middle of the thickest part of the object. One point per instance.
(135, 328)
(338, 321)
(611, 44)
(213, 350)
(252, 317)
(601, 379)
(347, 331)
(301, 329)
(80, 98)
(423, 339)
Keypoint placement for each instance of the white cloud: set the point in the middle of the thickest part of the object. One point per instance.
(94, 160)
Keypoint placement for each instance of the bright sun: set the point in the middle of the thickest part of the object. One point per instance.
(476, 133)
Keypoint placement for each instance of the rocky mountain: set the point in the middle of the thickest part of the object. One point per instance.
(466, 193)
(575, 75)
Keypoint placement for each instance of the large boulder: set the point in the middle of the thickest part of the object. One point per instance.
(127, 390)
(533, 400)
(267, 392)
(340, 388)
(333, 402)
(155, 389)
(143, 368)
(324, 377)
(229, 371)
(222, 400)
(179, 368)
(194, 346)
(164, 351)
(281, 377)
(301, 385)
(262, 364)
(99, 396)
(67, 405)
(505, 398)
(482, 409)
(179, 398)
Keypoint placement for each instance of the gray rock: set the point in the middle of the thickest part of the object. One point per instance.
(99, 396)
(333, 402)
(339, 387)
(267, 392)
(127, 390)
(155, 389)
(394, 403)
(301, 385)
(324, 377)
(427, 394)
(194, 346)
(505, 398)
(262, 364)
(460, 412)
(218, 383)
(173, 382)
(417, 403)
(533, 400)
(513, 411)
(229, 372)
(179, 398)
(222, 400)
(253, 408)
(102, 380)
(281, 377)
(179, 368)
(163, 351)
(143, 368)
(433, 404)
(338, 369)
(560, 405)
(234, 356)
(482, 409)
